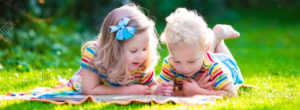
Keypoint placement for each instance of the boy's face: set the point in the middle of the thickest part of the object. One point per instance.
(187, 58)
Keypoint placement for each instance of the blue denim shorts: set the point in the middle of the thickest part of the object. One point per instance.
(231, 64)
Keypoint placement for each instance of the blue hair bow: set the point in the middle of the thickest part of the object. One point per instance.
(122, 31)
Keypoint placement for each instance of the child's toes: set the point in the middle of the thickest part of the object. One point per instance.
(225, 31)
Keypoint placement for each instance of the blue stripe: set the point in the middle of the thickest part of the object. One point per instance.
(87, 67)
(172, 71)
(166, 61)
(113, 84)
(222, 79)
(148, 82)
(84, 66)
(90, 50)
(103, 76)
(94, 70)
(182, 75)
(164, 78)
(212, 67)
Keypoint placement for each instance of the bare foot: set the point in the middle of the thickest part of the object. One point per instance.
(223, 31)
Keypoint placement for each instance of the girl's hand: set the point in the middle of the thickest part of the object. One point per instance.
(203, 81)
(138, 89)
(190, 87)
(164, 88)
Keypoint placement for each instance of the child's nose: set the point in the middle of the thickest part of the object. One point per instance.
(140, 56)
(185, 69)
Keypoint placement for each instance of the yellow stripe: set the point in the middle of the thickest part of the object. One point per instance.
(88, 54)
(221, 84)
(224, 85)
(167, 77)
(166, 65)
(216, 71)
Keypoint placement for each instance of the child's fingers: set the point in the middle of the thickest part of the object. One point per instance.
(203, 75)
(167, 91)
(169, 84)
(198, 77)
(164, 83)
(206, 79)
(167, 94)
(168, 88)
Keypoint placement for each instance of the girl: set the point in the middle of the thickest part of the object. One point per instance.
(196, 52)
(122, 59)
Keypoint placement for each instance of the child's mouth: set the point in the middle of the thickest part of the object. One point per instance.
(135, 64)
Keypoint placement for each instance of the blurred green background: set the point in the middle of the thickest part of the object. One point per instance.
(40, 42)
(38, 34)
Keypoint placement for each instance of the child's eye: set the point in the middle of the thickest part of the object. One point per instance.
(176, 61)
(191, 61)
(144, 49)
(133, 51)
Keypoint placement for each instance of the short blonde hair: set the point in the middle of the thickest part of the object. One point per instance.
(186, 27)
(110, 53)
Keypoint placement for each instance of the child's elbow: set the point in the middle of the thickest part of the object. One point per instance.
(86, 92)
(233, 94)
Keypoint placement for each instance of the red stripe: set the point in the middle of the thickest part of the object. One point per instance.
(218, 74)
(83, 59)
(86, 61)
(179, 83)
(149, 77)
(209, 57)
(167, 73)
(95, 44)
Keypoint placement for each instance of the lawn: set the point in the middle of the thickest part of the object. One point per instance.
(267, 54)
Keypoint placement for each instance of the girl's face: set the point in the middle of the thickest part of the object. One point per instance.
(187, 58)
(136, 50)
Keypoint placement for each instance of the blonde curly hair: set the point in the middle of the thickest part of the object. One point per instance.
(186, 27)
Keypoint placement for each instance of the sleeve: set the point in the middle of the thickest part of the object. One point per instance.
(147, 77)
(166, 73)
(221, 75)
(87, 57)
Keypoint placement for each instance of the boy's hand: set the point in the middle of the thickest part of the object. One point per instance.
(203, 81)
(164, 88)
(190, 87)
(138, 89)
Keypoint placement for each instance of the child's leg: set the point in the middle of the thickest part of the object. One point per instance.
(222, 48)
(222, 32)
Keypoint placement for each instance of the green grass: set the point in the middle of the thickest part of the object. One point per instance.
(267, 54)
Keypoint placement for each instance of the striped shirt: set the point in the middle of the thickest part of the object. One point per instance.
(136, 77)
(218, 71)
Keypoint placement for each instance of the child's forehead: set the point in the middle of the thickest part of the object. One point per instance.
(138, 40)
(186, 52)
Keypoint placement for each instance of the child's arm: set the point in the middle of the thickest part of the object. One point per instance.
(91, 86)
(230, 89)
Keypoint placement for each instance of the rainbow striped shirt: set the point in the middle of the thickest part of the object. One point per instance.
(218, 72)
(88, 54)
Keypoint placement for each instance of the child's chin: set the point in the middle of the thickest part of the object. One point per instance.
(133, 68)
(188, 75)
